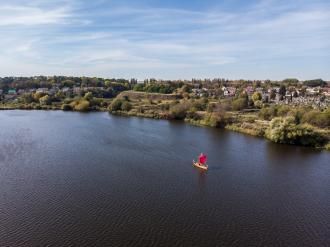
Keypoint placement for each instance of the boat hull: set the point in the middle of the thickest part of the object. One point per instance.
(198, 165)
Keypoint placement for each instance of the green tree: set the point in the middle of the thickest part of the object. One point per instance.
(239, 104)
(272, 95)
(66, 107)
(282, 90)
(315, 83)
(291, 81)
(38, 95)
(256, 96)
(27, 98)
(295, 94)
(179, 111)
(139, 87)
(285, 130)
(88, 96)
(115, 105)
(45, 100)
(317, 118)
(126, 106)
(82, 105)
(258, 104)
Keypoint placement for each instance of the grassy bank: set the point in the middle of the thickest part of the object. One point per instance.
(280, 124)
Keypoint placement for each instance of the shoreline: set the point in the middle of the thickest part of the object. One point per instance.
(252, 129)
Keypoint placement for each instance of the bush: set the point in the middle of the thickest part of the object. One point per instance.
(179, 111)
(258, 104)
(284, 130)
(27, 98)
(116, 105)
(256, 97)
(38, 95)
(88, 96)
(327, 146)
(45, 100)
(165, 107)
(193, 115)
(139, 87)
(66, 107)
(317, 118)
(126, 106)
(239, 104)
(219, 118)
(199, 105)
(82, 105)
(283, 110)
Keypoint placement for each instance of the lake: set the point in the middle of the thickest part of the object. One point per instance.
(73, 179)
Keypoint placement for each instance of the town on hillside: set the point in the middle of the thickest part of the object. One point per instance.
(314, 93)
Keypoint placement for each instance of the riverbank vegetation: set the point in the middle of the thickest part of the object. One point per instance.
(279, 123)
(240, 106)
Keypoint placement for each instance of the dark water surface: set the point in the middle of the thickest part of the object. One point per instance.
(70, 179)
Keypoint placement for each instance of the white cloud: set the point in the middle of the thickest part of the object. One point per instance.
(20, 15)
(161, 42)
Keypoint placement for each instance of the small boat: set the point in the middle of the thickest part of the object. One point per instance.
(201, 162)
(199, 165)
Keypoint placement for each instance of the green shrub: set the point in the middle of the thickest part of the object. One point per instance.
(165, 107)
(116, 105)
(66, 107)
(283, 110)
(125, 106)
(239, 104)
(256, 97)
(327, 146)
(45, 100)
(285, 130)
(82, 105)
(88, 96)
(199, 105)
(193, 115)
(179, 111)
(317, 118)
(258, 104)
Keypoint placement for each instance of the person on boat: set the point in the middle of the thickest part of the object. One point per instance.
(202, 159)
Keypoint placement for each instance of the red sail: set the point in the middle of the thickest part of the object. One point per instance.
(202, 159)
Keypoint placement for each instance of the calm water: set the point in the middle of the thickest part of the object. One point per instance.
(70, 179)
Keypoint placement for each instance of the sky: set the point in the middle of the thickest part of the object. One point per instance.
(166, 39)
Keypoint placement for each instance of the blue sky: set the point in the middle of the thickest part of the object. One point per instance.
(166, 39)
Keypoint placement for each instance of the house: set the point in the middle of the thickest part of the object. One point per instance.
(259, 90)
(229, 91)
(42, 90)
(312, 90)
(21, 91)
(249, 90)
(288, 97)
(12, 92)
(52, 91)
(278, 97)
(66, 90)
(199, 92)
(326, 92)
(265, 97)
(276, 89)
(77, 90)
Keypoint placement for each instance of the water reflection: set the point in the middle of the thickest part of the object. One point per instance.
(100, 180)
(201, 178)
